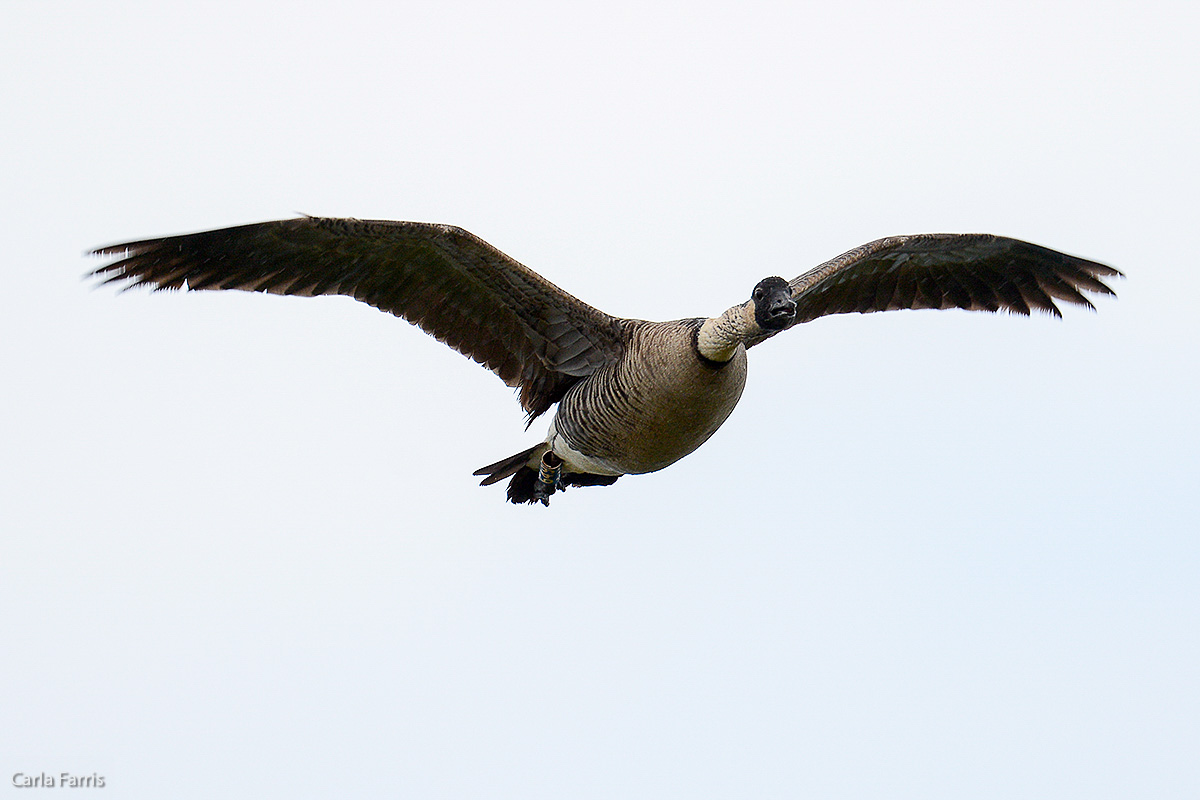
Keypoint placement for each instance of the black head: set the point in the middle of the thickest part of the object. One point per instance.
(774, 308)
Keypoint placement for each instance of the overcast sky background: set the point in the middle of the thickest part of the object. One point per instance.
(931, 555)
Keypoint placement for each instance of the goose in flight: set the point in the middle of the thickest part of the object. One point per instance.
(633, 396)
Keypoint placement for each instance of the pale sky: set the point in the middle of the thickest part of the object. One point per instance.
(931, 554)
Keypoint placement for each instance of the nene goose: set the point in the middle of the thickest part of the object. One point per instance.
(633, 396)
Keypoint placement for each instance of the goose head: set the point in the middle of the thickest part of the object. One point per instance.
(774, 308)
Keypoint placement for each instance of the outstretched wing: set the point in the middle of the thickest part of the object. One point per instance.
(450, 283)
(973, 271)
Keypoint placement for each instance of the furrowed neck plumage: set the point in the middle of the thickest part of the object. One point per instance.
(719, 337)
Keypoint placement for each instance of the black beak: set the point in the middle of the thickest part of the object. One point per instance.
(781, 308)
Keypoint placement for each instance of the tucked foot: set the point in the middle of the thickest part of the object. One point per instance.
(529, 485)
(549, 479)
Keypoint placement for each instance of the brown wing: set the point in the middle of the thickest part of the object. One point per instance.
(452, 284)
(973, 271)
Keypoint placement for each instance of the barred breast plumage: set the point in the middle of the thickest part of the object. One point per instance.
(657, 403)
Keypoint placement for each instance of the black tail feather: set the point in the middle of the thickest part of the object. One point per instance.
(508, 466)
(520, 488)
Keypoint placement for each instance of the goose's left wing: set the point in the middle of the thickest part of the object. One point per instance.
(973, 271)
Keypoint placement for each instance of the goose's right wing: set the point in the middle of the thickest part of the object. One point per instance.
(972, 271)
(450, 283)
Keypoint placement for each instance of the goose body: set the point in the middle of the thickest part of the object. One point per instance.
(652, 406)
(632, 396)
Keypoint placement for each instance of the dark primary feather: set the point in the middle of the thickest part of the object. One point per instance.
(449, 282)
(973, 271)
